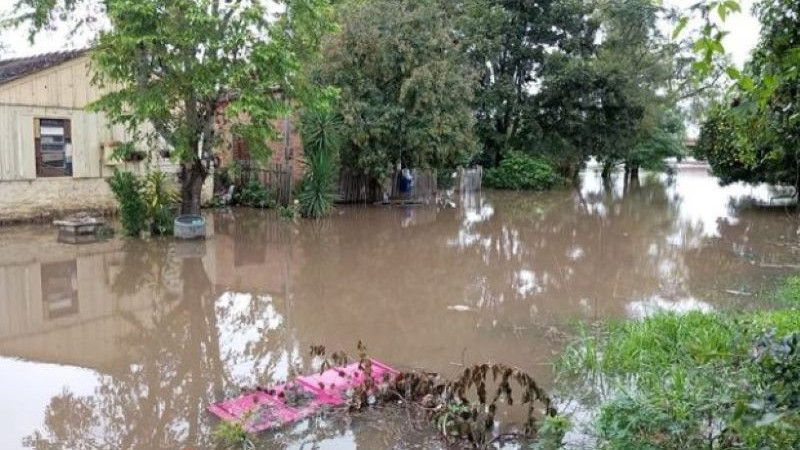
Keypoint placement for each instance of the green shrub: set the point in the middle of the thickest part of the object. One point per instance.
(255, 195)
(143, 203)
(321, 135)
(522, 172)
(790, 292)
(132, 208)
(289, 212)
(445, 179)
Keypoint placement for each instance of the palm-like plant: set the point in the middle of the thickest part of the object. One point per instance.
(161, 201)
(321, 134)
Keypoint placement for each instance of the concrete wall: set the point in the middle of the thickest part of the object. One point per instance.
(52, 197)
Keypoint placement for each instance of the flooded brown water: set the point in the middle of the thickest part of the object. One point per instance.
(122, 344)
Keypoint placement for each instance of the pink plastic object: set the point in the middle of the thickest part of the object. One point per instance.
(286, 403)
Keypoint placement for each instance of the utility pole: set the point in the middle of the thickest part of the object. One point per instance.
(287, 125)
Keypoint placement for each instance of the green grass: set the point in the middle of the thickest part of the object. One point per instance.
(658, 383)
(789, 293)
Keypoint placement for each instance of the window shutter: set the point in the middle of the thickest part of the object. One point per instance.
(67, 130)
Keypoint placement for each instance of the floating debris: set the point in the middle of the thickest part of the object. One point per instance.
(461, 308)
(275, 407)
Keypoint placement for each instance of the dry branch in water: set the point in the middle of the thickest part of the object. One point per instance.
(464, 408)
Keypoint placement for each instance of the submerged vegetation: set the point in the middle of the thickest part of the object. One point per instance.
(146, 204)
(465, 410)
(717, 381)
(522, 172)
(132, 210)
(255, 195)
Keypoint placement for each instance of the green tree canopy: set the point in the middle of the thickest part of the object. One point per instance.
(510, 44)
(405, 90)
(755, 136)
(639, 65)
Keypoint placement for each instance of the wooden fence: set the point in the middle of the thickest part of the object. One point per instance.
(359, 188)
(277, 178)
(470, 180)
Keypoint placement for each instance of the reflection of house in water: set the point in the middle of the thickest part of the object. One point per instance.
(58, 306)
(85, 306)
(76, 305)
(60, 289)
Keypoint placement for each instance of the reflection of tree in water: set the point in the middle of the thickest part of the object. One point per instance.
(146, 265)
(572, 249)
(751, 253)
(517, 259)
(171, 369)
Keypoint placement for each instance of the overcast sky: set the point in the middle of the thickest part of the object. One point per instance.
(743, 29)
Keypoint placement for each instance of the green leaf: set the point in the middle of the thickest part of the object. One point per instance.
(747, 83)
(768, 419)
(680, 27)
(733, 73)
(733, 5)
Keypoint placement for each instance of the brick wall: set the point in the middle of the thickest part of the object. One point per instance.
(232, 149)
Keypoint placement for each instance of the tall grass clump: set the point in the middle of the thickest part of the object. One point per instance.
(321, 134)
(715, 381)
(132, 208)
(789, 294)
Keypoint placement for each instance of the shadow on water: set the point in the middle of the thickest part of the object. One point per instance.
(122, 344)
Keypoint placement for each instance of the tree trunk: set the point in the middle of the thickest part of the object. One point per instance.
(193, 175)
(607, 169)
(631, 171)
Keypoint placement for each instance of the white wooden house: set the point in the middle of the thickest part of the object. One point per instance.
(54, 155)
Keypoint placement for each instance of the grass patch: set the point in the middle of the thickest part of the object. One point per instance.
(789, 293)
(716, 381)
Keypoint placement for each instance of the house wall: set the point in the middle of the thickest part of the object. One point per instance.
(61, 92)
(277, 150)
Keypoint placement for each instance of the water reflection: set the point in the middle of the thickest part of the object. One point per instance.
(122, 344)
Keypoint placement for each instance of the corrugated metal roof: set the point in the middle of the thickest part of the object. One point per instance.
(13, 69)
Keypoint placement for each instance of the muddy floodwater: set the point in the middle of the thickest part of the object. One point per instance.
(122, 344)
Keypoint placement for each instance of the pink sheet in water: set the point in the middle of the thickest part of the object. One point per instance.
(269, 408)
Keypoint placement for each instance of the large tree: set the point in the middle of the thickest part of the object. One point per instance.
(639, 62)
(170, 66)
(510, 43)
(405, 88)
(755, 136)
